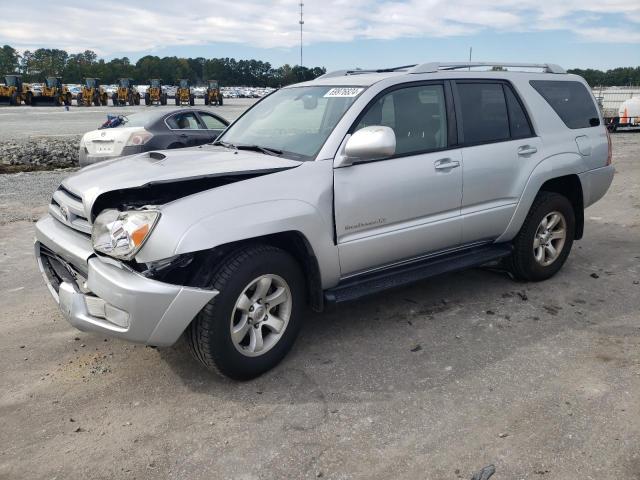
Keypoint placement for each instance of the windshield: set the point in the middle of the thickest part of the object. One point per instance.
(124, 82)
(296, 120)
(91, 82)
(184, 83)
(155, 82)
(51, 82)
(11, 81)
(213, 84)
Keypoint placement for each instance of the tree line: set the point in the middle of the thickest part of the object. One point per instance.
(617, 77)
(37, 64)
(34, 65)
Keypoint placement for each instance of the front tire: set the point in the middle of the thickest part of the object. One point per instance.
(545, 239)
(252, 323)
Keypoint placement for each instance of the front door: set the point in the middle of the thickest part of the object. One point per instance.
(408, 205)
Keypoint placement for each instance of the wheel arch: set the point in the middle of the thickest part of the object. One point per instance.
(556, 174)
(569, 186)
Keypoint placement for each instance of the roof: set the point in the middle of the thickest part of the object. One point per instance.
(360, 77)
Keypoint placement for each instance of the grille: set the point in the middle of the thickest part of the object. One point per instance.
(66, 207)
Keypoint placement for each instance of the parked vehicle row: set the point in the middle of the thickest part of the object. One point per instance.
(92, 93)
(324, 192)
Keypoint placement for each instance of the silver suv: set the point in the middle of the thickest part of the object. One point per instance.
(324, 192)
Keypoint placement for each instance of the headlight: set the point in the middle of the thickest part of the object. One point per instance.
(121, 234)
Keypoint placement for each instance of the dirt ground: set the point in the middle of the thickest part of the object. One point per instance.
(434, 381)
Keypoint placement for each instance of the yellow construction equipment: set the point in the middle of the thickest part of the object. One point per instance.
(213, 95)
(154, 94)
(183, 93)
(52, 92)
(126, 93)
(14, 92)
(92, 93)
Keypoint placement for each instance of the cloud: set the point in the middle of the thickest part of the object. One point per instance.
(148, 25)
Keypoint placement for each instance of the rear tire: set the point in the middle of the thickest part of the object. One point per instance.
(220, 99)
(250, 282)
(545, 239)
(14, 99)
(147, 99)
(192, 100)
(114, 99)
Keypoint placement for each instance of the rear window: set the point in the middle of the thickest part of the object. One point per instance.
(570, 100)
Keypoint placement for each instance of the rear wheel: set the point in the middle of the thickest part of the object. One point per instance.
(220, 99)
(252, 323)
(96, 100)
(147, 99)
(67, 99)
(164, 99)
(79, 99)
(14, 99)
(192, 100)
(545, 239)
(114, 99)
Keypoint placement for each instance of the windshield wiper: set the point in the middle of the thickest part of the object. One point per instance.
(225, 144)
(258, 148)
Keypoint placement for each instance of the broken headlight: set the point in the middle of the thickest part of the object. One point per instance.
(122, 234)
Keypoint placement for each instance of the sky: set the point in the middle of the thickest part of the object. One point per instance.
(337, 33)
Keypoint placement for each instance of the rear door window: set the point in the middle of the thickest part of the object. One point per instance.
(570, 100)
(484, 115)
(183, 121)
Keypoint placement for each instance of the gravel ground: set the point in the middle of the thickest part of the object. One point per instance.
(25, 196)
(433, 381)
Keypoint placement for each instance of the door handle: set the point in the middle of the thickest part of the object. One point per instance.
(527, 150)
(446, 164)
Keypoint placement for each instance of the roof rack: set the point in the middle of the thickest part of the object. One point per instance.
(433, 67)
(358, 71)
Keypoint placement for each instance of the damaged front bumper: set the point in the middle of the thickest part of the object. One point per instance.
(108, 297)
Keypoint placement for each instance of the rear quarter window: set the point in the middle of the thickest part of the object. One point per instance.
(570, 100)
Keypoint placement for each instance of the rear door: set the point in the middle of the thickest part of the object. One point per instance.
(407, 205)
(499, 152)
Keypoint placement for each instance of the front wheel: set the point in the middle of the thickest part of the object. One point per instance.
(545, 239)
(252, 323)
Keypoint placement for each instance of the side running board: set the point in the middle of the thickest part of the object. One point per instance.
(375, 282)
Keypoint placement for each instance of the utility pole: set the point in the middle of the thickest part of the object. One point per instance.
(301, 22)
(470, 51)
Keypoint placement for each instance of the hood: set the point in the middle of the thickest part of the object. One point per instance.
(168, 166)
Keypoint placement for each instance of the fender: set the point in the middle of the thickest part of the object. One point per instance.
(294, 200)
(551, 167)
(266, 218)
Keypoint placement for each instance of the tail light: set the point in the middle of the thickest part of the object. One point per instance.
(610, 151)
(139, 138)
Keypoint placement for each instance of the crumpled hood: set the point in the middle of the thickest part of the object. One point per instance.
(180, 164)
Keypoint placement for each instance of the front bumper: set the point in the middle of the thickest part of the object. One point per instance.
(107, 297)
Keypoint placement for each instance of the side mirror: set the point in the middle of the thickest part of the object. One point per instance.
(369, 143)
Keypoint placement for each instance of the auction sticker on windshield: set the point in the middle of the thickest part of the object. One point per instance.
(343, 92)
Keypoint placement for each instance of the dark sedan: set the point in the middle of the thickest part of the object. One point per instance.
(146, 131)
